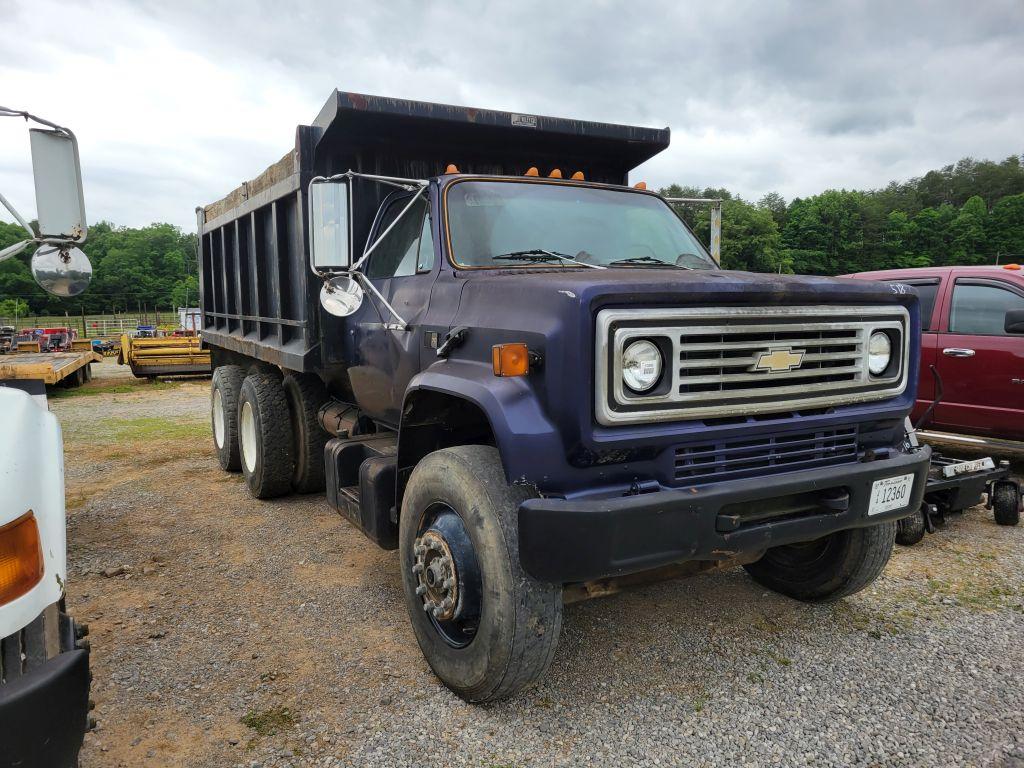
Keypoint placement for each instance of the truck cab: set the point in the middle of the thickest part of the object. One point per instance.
(44, 658)
(529, 377)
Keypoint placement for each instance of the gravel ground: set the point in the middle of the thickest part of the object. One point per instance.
(230, 632)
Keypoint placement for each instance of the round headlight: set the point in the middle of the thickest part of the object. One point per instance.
(879, 353)
(641, 366)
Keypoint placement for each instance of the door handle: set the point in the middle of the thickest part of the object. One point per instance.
(958, 352)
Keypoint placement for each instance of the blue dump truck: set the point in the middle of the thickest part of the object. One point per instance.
(533, 381)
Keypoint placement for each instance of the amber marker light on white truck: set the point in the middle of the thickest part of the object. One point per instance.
(21, 557)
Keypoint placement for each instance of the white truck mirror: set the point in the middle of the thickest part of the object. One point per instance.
(60, 204)
(330, 225)
(58, 265)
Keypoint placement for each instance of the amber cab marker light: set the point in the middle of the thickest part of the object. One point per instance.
(21, 557)
(452, 168)
(532, 171)
(640, 185)
(1011, 266)
(510, 359)
(556, 173)
(578, 176)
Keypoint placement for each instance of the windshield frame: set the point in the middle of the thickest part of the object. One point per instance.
(450, 252)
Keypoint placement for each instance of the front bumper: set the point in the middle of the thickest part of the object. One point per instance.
(44, 709)
(562, 540)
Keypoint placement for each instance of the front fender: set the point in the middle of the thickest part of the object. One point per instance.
(527, 441)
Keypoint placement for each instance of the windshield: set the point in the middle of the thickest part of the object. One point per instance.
(508, 223)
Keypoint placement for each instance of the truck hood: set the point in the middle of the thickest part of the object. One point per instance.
(536, 293)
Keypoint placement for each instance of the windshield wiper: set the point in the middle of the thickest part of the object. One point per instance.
(648, 260)
(542, 255)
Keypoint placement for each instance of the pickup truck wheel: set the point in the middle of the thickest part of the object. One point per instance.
(910, 530)
(486, 628)
(1006, 503)
(828, 568)
(265, 436)
(224, 389)
(306, 395)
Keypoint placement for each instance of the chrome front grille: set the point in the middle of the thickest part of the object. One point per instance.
(739, 361)
(755, 457)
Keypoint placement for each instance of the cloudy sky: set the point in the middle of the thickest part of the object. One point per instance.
(175, 103)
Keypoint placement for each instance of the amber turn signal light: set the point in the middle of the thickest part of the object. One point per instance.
(21, 557)
(510, 359)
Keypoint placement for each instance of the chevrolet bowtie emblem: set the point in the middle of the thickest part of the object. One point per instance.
(779, 360)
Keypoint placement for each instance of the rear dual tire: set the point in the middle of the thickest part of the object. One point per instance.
(224, 392)
(265, 436)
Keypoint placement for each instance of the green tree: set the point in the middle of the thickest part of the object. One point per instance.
(13, 308)
(968, 233)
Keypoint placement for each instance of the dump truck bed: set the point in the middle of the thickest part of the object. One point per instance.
(47, 367)
(258, 297)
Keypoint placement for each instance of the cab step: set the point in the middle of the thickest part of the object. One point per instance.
(361, 475)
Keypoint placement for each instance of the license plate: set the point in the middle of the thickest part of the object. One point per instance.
(966, 467)
(890, 493)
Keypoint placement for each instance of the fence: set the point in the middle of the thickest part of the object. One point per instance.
(93, 326)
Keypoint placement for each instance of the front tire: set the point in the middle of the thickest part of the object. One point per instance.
(224, 391)
(828, 568)
(486, 628)
(265, 436)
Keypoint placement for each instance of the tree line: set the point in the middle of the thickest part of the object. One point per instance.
(971, 212)
(134, 269)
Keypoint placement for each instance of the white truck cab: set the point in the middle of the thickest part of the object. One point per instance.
(44, 662)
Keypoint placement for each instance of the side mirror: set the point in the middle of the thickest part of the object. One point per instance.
(1014, 322)
(60, 204)
(330, 225)
(58, 266)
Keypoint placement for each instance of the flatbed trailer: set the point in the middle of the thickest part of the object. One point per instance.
(164, 356)
(49, 368)
(955, 485)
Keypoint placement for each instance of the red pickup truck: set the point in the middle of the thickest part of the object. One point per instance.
(972, 322)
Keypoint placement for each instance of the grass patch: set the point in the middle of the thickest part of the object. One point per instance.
(153, 428)
(755, 678)
(270, 722)
(60, 393)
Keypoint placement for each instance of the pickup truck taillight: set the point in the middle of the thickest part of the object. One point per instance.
(21, 557)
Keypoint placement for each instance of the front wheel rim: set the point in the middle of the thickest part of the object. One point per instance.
(446, 575)
(247, 433)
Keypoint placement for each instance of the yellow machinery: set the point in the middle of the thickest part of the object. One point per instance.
(163, 356)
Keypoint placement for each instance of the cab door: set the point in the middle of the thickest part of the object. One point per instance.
(981, 366)
(389, 356)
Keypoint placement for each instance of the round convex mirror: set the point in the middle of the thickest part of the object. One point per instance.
(62, 272)
(341, 296)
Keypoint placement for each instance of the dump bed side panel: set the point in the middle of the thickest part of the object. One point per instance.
(254, 283)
